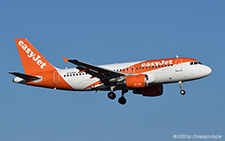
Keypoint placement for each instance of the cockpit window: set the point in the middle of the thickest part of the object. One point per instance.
(195, 63)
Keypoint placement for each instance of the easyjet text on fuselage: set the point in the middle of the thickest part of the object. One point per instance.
(162, 62)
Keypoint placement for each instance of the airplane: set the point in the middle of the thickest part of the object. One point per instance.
(142, 77)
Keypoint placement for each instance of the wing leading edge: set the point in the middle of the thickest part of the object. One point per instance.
(95, 71)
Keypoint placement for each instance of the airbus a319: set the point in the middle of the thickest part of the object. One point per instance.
(141, 77)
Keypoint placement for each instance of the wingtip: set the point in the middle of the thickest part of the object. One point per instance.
(65, 59)
(11, 72)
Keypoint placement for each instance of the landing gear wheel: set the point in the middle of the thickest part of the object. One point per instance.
(122, 100)
(182, 92)
(112, 95)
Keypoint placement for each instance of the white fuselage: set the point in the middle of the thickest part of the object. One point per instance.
(170, 74)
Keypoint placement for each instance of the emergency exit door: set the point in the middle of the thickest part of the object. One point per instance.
(56, 78)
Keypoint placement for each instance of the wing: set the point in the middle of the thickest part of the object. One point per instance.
(95, 71)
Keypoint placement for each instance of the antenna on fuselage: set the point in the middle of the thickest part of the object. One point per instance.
(177, 56)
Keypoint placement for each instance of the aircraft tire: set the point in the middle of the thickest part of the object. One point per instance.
(111, 95)
(182, 92)
(122, 100)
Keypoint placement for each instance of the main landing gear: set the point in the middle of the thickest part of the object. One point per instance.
(111, 95)
(182, 92)
(122, 100)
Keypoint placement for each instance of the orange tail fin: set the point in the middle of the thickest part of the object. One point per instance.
(33, 62)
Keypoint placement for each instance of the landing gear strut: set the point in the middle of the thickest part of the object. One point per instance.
(122, 100)
(182, 92)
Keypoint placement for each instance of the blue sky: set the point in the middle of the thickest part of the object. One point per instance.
(103, 32)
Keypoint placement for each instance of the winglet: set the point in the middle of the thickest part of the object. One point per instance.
(65, 59)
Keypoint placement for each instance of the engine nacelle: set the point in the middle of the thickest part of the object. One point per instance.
(154, 90)
(136, 81)
(139, 81)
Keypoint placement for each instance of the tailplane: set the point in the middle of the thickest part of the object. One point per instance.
(23, 78)
(32, 60)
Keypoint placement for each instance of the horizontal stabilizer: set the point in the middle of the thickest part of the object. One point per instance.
(25, 76)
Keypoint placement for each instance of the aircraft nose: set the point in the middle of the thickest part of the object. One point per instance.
(207, 70)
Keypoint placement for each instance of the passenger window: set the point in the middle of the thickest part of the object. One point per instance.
(140, 68)
(195, 63)
(64, 75)
(136, 68)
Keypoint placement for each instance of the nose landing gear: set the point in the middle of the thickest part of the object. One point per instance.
(182, 92)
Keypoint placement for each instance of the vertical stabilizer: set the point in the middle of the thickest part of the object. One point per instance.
(32, 60)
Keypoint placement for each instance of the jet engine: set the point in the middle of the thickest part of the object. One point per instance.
(139, 81)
